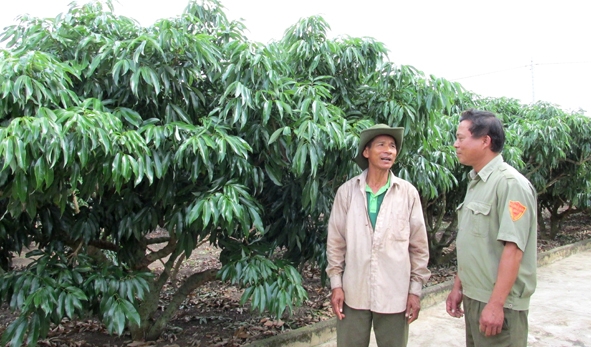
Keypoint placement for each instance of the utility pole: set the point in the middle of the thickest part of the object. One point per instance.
(533, 92)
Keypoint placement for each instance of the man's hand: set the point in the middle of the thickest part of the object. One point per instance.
(337, 300)
(491, 319)
(453, 304)
(413, 306)
(492, 316)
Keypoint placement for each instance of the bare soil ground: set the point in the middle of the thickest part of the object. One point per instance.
(212, 316)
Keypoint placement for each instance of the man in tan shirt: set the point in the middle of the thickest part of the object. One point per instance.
(377, 247)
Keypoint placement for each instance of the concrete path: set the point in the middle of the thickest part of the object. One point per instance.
(560, 311)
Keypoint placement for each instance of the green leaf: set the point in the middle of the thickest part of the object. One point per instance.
(138, 170)
(134, 82)
(8, 149)
(130, 312)
(39, 168)
(125, 167)
(34, 329)
(275, 174)
(119, 320)
(195, 212)
(69, 306)
(300, 159)
(275, 136)
(154, 81)
(159, 169)
(248, 292)
(131, 116)
(21, 154)
(267, 106)
(20, 186)
(15, 333)
(61, 304)
(148, 169)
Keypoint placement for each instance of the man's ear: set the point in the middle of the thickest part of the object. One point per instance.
(487, 141)
(366, 153)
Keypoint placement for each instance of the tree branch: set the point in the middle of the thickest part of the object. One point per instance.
(155, 240)
(181, 259)
(529, 174)
(580, 162)
(552, 183)
(159, 254)
(102, 244)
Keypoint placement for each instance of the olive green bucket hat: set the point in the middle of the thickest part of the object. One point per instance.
(371, 132)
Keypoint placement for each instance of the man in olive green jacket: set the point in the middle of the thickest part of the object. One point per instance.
(497, 239)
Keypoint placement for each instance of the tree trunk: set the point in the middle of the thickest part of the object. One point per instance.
(146, 310)
(555, 220)
(541, 224)
(556, 217)
(437, 243)
(148, 307)
(151, 327)
(155, 329)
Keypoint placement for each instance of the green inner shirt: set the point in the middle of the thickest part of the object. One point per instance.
(374, 201)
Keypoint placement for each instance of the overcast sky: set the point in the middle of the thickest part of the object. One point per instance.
(489, 47)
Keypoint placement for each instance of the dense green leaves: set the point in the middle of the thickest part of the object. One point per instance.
(55, 286)
(554, 152)
(274, 286)
(110, 130)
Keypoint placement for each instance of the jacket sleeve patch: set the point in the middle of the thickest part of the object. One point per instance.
(516, 209)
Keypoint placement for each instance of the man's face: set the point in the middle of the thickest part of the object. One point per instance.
(469, 150)
(382, 152)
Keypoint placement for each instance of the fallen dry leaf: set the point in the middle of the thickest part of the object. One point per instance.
(140, 344)
(241, 333)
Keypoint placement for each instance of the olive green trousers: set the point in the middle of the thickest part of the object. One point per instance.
(513, 334)
(391, 330)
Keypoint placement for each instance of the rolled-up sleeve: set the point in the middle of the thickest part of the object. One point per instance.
(418, 248)
(336, 242)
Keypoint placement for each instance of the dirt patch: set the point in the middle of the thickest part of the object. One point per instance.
(212, 315)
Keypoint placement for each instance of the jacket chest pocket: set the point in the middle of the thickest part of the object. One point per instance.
(477, 216)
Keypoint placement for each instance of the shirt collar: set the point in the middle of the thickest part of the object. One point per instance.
(381, 190)
(362, 180)
(488, 169)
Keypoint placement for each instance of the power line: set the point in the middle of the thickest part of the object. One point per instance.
(490, 73)
(566, 62)
(530, 66)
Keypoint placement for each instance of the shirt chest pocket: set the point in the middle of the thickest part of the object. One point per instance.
(399, 229)
(478, 217)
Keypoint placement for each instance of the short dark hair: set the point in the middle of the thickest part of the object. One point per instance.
(486, 123)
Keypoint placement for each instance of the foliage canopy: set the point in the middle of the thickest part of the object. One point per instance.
(110, 131)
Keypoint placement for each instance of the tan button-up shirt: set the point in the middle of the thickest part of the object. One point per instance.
(377, 269)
